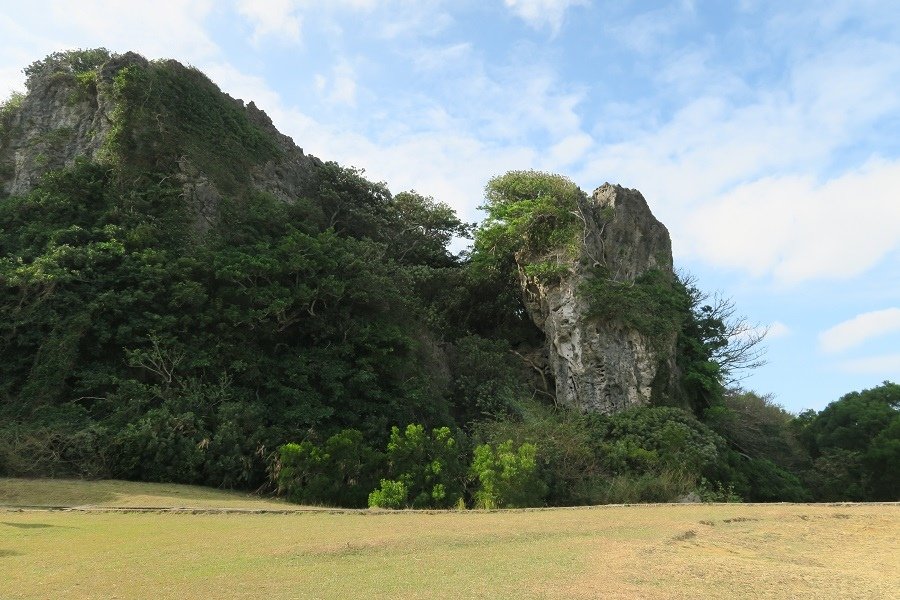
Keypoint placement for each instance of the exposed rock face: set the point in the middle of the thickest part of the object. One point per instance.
(62, 119)
(601, 366)
(57, 122)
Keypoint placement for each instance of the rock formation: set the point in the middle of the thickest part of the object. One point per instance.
(600, 365)
(64, 118)
(596, 365)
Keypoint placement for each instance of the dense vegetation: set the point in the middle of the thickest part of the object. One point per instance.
(333, 347)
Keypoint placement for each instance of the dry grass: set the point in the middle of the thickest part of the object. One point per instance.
(76, 492)
(677, 551)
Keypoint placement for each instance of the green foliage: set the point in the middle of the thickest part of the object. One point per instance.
(307, 328)
(652, 304)
(8, 109)
(855, 446)
(548, 271)
(568, 460)
(57, 449)
(339, 473)
(391, 494)
(486, 380)
(166, 114)
(507, 476)
(72, 62)
(757, 427)
(717, 492)
(422, 229)
(647, 454)
(430, 466)
(666, 486)
(655, 440)
(529, 213)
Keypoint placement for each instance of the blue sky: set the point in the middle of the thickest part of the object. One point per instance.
(765, 135)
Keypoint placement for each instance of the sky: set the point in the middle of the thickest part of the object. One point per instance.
(765, 135)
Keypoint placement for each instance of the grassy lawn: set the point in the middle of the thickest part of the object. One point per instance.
(74, 492)
(677, 551)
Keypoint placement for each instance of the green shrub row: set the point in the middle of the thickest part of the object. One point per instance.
(419, 469)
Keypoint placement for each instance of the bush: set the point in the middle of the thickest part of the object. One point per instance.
(391, 494)
(53, 451)
(507, 476)
(429, 466)
(567, 459)
(667, 486)
(71, 62)
(657, 439)
(340, 473)
(161, 446)
(717, 492)
(487, 380)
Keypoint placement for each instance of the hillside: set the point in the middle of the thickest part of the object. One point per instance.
(184, 291)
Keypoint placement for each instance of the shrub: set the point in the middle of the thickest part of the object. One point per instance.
(657, 439)
(567, 459)
(391, 494)
(429, 466)
(28, 450)
(339, 473)
(507, 476)
(632, 488)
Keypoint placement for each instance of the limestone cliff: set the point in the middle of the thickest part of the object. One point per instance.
(597, 364)
(73, 111)
(169, 122)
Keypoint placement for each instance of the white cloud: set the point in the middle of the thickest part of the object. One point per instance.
(340, 87)
(768, 332)
(887, 365)
(542, 13)
(778, 330)
(277, 18)
(439, 58)
(570, 149)
(158, 29)
(743, 176)
(797, 229)
(861, 328)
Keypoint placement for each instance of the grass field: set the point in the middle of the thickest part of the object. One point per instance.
(658, 551)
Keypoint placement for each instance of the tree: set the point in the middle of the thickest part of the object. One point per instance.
(734, 343)
(421, 230)
(855, 444)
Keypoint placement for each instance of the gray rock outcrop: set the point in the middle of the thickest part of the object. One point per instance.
(62, 119)
(598, 365)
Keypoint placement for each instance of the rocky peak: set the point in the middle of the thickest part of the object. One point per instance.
(633, 241)
(597, 364)
(72, 108)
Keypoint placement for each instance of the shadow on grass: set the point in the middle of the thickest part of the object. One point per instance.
(27, 525)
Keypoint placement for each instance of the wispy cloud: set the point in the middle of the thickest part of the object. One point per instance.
(886, 365)
(778, 330)
(543, 13)
(277, 18)
(340, 86)
(796, 229)
(860, 329)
